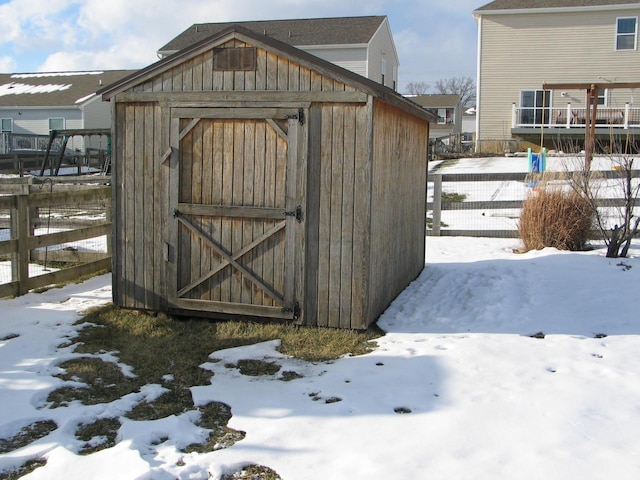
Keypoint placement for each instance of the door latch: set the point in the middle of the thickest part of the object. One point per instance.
(295, 309)
(297, 213)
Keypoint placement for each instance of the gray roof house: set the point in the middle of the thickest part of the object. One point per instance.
(363, 44)
(446, 109)
(539, 61)
(33, 104)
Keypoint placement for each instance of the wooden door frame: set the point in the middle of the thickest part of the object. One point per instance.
(295, 231)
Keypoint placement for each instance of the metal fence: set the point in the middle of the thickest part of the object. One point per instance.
(489, 204)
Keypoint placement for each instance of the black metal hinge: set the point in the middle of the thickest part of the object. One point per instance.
(299, 116)
(295, 213)
(295, 309)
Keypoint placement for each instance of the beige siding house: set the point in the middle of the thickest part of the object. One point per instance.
(363, 45)
(525, 43)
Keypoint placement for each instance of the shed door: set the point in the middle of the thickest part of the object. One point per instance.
(237, 187)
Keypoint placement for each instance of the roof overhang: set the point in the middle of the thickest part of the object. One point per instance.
(530, 11)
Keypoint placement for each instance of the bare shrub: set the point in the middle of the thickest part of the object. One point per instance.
(555, 218)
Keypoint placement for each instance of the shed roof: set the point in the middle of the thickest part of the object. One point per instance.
(537, 4)
(54, 89)
(436, 100)
(300, 32)
(283, 49)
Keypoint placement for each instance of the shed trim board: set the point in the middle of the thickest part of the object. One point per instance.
(265, 204)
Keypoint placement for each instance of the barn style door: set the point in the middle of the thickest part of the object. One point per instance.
(237, 189)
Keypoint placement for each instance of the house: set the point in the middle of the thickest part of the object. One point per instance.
(447, 110)
(34, 104)
(363, 44)
(578, 50)
(254, 179)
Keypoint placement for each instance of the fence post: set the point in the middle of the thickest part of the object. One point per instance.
(20, 227)
(437, 204)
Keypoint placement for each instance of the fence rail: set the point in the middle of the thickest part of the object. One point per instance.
(489, 204)
(34, 222)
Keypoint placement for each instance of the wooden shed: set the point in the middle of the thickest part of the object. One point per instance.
(254, 179)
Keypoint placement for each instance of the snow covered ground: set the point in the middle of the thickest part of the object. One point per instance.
(482, 398)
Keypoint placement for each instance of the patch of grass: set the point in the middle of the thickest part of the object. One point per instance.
(256, 368)
(157, 346)
(253, 472)
(24, 469)
(214, 416)
(452, 197)
(99, 435)
(289, 375)
(104, 382)
(173, 402)
(27, 435)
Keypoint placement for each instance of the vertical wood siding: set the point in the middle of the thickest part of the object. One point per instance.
(365, 217)
(398, 213)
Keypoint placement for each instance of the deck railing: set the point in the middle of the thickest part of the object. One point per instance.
(571, 117)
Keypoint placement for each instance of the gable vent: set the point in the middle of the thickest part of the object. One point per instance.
(238, 58)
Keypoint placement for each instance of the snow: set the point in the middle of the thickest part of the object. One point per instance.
(485, 398)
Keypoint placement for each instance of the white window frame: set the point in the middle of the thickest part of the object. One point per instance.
(56, 118)
(626, 34)
(4, 130)
(442, 114)
(384, 70)
(395, 77)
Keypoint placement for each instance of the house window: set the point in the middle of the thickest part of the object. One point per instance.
(6, 125)
(626, 33)
(395, 78)
(384, 69)
(56, 124)
(445, 116)
(602, 96)
(535, 107)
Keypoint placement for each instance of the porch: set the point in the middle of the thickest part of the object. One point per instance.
(572, 118)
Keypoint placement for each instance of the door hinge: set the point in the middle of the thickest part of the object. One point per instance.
(295, 213)
(295, 309)
(298, 116)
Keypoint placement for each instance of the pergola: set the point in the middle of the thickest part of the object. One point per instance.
(593, 90)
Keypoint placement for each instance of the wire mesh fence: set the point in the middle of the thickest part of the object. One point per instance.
(55, 235)
(489, 205)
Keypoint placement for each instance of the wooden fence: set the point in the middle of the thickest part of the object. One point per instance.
(439, 200)
(37, 209)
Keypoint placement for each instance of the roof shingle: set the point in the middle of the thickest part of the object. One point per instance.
(300, 32)
(532, 4)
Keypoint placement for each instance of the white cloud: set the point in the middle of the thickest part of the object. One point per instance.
(7, 64)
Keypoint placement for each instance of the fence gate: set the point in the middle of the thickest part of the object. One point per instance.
(236, 196)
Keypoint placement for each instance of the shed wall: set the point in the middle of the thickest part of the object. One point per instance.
(398, 208)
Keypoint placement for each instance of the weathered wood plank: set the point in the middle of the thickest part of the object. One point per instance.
(324, 236)
(335, 226)
(233, 309)
(348, 180)
(233, 113)
(138, 189)
(128, 217)
(259, 203)
(253, 96)
(362, 192)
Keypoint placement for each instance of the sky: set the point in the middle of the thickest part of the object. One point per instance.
(435, 39)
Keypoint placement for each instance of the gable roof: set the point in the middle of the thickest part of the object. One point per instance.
(548, 4)
(54, 89)
(283, 49)
(300, 32)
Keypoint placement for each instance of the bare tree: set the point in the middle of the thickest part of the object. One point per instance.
(464, 87)
(592, 185)
(417, 88)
